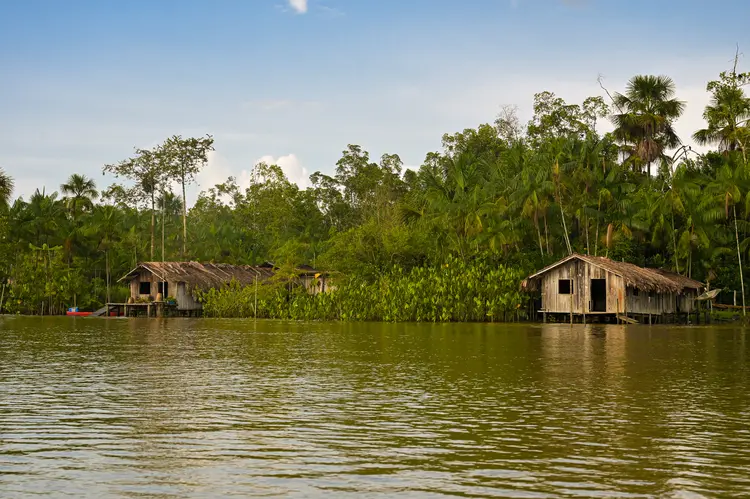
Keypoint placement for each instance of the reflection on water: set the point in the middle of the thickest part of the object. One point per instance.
(197, 408)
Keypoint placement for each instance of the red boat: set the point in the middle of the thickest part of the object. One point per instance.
(78, 314)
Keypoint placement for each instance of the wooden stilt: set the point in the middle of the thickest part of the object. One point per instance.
(617, 308)
(571, 307)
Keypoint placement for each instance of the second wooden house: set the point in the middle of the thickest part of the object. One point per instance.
(157, 281)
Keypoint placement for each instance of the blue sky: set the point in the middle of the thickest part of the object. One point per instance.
(295, 81)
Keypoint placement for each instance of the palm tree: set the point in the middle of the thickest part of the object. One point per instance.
(560, 182)
(681, 192)
(6, 188)
(105, 226)
(726, 192)
(727, 117)
(458, 198)
(624, 208)
(80, 193)
(46, 216)
(532, 192)
(644, 124)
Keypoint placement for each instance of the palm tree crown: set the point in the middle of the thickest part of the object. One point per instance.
(80, 191)
(6, 187)
(647, 112)
(727, 117)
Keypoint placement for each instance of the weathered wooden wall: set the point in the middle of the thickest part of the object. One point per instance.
(135, 285)
(686, 300)
(666, 303)
(651, 303)
(581, 274)
(184, 297)
(317, 285)
(619, 299)
(185, 300)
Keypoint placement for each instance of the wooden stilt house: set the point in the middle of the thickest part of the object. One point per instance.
(581, 285)
(181, 280)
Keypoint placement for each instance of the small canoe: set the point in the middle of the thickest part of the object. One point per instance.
(78, 314)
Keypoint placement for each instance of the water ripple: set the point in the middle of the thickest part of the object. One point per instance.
(197, 408)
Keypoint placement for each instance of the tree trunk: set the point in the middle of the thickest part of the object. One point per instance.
(539, 235)
(564, 224)
(565, 229)
(184, 220)
(674, 242)
(106, 268)
(136, 238)
(588, 243)
(596, 238)
(163, 223)
(153, 224)
(739, 257)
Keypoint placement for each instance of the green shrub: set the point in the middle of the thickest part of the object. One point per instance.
(454, 291)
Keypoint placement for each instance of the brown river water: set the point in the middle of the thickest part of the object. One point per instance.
(215, 408)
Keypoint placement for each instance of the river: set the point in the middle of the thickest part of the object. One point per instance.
(214, 408)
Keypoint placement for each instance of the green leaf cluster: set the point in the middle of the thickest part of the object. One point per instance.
(479, 290)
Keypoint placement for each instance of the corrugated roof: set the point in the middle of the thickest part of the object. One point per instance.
(657, 280)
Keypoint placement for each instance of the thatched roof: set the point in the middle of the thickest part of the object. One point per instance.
(202, 275)
(656, 280)
(685, 282)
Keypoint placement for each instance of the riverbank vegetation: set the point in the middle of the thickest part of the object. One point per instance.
(478, 290)
(448, 241)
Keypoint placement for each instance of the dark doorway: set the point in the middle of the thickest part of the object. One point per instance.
(598, 295)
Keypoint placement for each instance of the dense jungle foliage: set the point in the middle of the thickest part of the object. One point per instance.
(449, 241)
(456, 291)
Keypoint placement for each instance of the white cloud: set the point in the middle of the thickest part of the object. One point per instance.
(219, 168)
(299, 6)
(402, 113)
(290, 165)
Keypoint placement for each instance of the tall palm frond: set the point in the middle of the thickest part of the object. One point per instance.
(645, 121)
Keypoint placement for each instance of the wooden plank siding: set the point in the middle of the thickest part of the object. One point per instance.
(185, 299)
(581, 274)
(135, 285)
(629, 289)
(661, 303)
(651, 303)
(316, 285)
(620, 300)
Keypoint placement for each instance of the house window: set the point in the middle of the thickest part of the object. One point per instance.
(565, 286)
(636, 292)
(144, 288)
(163, 288)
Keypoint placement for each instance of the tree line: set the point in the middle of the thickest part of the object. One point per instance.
(506, 194)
